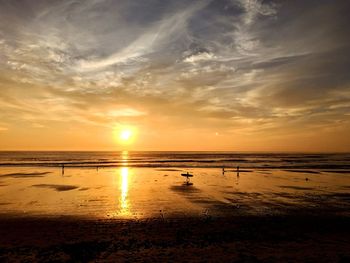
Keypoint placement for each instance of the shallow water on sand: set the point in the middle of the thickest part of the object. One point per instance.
(125, 192)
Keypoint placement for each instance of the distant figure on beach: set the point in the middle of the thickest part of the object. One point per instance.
(237, 171)
(223, 170)
(62, 168)
(187, 175)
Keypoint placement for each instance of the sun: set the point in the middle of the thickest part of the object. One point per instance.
(125, 135)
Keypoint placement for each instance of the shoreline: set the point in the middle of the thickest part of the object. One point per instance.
(288, 168)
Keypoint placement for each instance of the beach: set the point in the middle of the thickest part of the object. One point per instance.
(174, 131)
(133, 209)
(298, 238)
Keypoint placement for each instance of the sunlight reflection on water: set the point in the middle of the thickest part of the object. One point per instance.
(124, 188)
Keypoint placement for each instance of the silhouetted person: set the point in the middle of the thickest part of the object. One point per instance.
(187, 175)
(62, 168)
(237, 171)
(223, 170)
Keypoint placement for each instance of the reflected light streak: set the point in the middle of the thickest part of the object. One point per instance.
(124, 188)
(125, 157)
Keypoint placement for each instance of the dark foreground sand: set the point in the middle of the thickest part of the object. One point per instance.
(291, 238)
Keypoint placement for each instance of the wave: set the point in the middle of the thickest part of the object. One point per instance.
(177, 159)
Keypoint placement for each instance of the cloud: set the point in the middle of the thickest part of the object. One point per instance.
(247, 66)
(253, 8)
(125, 112)
(202, 56)
(153, 37)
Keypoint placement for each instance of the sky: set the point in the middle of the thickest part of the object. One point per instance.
(226, 75)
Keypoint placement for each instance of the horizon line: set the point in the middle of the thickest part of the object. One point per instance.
(220, 151)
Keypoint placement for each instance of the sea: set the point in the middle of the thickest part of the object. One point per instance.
(267, 160)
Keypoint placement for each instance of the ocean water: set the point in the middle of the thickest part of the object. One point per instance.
(136, 185)
(178, 159)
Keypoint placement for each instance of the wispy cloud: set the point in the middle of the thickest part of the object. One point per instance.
(243, 67)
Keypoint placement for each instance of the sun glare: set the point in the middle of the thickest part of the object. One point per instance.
(125, 135)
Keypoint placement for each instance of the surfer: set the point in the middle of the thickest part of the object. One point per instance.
(187, 175)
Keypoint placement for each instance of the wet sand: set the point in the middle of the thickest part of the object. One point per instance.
(145, 214)
(293, 238)
(142, 193)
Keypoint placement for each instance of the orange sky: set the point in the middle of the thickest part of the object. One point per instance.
(236, 75)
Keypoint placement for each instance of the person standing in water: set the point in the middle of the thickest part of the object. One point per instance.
(237, 171)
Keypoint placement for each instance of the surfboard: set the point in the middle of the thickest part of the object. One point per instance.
(187, 175)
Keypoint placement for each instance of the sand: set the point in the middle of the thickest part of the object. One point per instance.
(140, 193)
(293, 238)
(149, 215)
